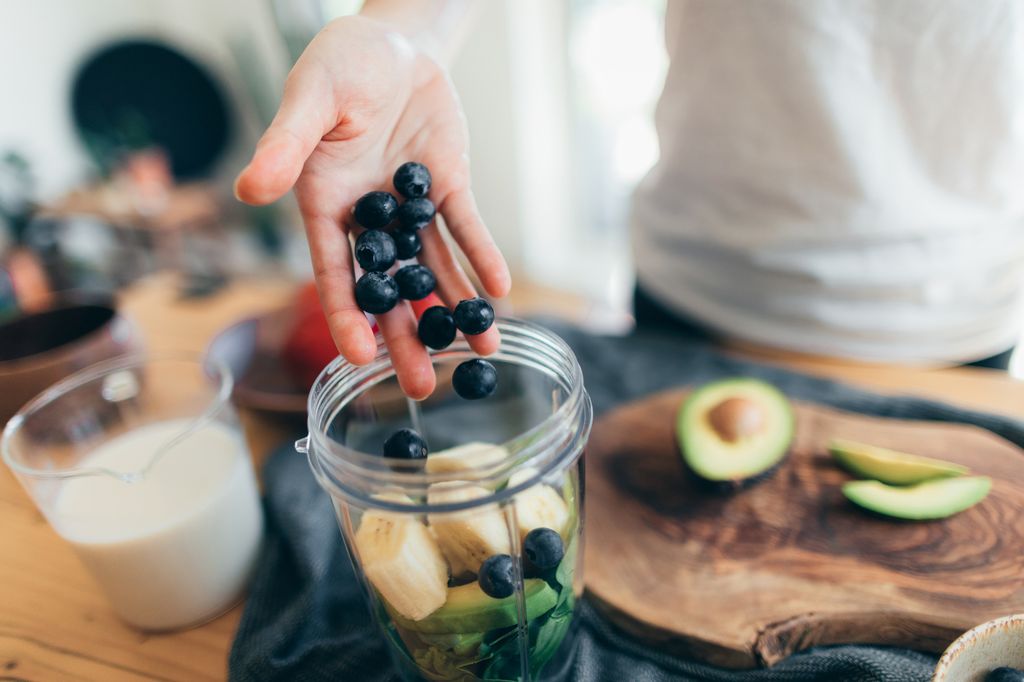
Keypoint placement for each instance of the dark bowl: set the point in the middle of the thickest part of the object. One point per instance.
(253, 349)
(40, 348)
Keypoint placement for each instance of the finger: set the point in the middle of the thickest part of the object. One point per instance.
(486, 343)
(304, 117)
(409, 357)
(464, 223)
(452, 284)
(333, 270)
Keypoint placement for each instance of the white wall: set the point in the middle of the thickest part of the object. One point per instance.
(510, 74)
(47, 39)
(42, 41)
(482, 74)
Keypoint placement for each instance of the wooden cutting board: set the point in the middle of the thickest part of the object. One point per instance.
(747, 578)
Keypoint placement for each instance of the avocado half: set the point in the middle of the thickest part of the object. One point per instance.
(734, 431)
(937, 499)
(468, 609)
(890, 466)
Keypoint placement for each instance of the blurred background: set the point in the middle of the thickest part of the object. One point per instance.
(125, 122)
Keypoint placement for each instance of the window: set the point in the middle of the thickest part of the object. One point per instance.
(586, 76)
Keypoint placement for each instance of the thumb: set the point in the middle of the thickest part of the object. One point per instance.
(302, 120)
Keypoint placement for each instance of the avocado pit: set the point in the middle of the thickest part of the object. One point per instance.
(735, 418)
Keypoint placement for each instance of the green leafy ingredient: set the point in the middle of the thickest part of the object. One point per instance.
(468, 609)
(441, 666)
(546, 634)
(503, 647)
(460, 644)
(567, 568)
(493, 655)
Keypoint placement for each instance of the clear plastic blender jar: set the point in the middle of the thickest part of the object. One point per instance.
(419, 532)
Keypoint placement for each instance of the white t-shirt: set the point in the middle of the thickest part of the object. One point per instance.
(841, 176)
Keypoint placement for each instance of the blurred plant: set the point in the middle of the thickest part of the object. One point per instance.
(131, 133)
(266, 222)
(16, 188)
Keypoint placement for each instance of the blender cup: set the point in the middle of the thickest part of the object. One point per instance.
(140, 464)
(502, 472)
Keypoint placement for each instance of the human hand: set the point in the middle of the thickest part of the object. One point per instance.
(359, 102)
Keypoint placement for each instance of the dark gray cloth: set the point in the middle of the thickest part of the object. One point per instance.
(306, 619)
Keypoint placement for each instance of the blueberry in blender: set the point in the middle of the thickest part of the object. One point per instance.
(405, 444)
(375, 210)
(543, 548)
(376, 293)
(475, 379)
(436, 328)
(497, 578)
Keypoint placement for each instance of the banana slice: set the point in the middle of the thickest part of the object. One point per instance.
(464, 457)
(455, 567)
(539, 506)
(403, 561)
(467, 537)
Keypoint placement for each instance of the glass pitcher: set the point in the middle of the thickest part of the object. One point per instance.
(502, 472)
(140, 464)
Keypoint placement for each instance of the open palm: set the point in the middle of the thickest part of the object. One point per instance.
(359, 103)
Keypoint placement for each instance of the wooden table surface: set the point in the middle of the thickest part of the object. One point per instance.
(55, 625)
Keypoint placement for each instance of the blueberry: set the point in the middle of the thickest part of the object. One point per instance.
(376, 292)
(407, 244)
(497, 577)
(474, 316)
(405, 444)
(375, 210)
(412, 180)
(1005, 674)
(415, 282)
(375, 251)
(475, 379)
(437, 327)
(543, 548)
(415, 214)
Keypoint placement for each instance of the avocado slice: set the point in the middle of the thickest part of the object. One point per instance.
(734, 431)
(468, 609)
(890, 466)
(567, 568)
(461, 643)
(935, 499)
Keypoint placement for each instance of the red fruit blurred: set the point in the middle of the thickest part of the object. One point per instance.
(309, 347)
(429, 302)
(307, 298)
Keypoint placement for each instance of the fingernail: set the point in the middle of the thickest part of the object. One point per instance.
(238, 178)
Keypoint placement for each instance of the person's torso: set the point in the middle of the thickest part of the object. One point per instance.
(841, 176)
